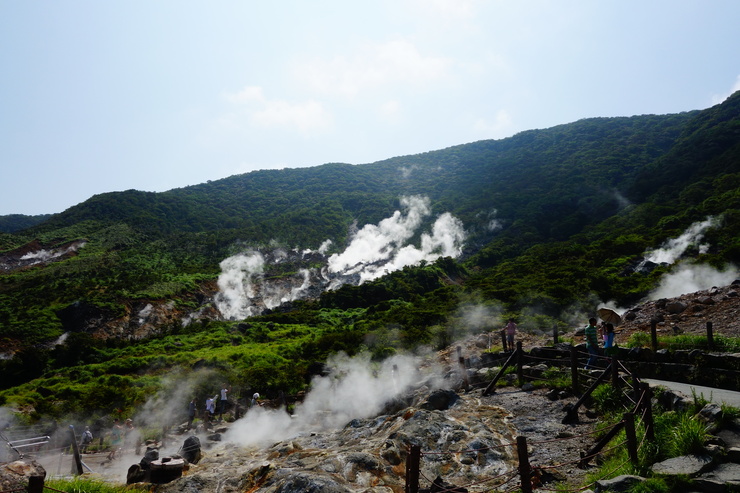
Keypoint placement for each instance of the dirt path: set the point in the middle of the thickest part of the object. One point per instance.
(550, 442)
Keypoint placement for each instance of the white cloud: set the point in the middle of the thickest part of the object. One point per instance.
(374, 65)
(307, 117)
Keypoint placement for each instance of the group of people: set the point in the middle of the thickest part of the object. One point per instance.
(120, 436)
(605, 332)
(215, 406)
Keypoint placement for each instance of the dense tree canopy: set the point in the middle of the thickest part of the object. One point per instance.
(553, 218)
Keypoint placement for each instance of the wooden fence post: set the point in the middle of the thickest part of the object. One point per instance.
(574, 371)
(555, 335)
(572, 413)
(629, 430)
(491, 386)
(636, 388)
(654, 334)
(36, 484)
(520, 363)
(615, 373)
(464, 372)
(586, 457)
(503, 342)
(412, 469)
(76, 451)
(525, 471)
(710, 336)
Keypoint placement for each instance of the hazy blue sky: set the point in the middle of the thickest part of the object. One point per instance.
(98, 96)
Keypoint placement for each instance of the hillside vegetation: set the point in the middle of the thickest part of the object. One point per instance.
(555, 220)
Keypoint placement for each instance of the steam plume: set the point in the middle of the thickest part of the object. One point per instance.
(673, 248)
(355, 388)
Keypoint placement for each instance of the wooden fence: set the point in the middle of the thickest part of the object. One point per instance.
(637, 397)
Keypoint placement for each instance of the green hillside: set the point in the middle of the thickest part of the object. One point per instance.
(554, 219)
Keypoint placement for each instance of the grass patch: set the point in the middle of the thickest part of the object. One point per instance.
(88, 485)
(685, 341)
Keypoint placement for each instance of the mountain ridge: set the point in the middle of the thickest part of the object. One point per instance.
(538, 226)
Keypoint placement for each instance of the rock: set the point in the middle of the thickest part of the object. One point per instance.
(733, 455)
(720, 478)
(150, 456)
(439, 485)
(711, 414)
(620, 483)
(135, 474)
(440, 400)
(688, 465)
(310, 483)
(675, 307)
(16, 475)
(191, 450)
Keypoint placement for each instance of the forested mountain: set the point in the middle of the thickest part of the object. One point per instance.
(17, 222)
(546, 220)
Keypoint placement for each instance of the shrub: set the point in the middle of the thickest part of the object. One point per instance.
(688, 437)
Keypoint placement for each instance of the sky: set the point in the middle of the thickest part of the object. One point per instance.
(107, 96)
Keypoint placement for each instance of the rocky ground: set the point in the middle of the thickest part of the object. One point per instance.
(466, 440)
(469, 444)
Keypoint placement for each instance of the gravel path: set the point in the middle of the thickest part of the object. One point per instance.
(550, 442)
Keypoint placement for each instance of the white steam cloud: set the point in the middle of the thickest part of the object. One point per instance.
(40, 256)
(375, 250)
(379, 249)
(355, 388)
(237, 284)
(673, 248)
(689, 278)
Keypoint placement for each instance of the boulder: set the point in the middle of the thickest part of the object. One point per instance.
(725, 477)
(619, 483)
(710, 415)
(675, 307)
(16, 475)
(440, 400)
(310, 483)
(685, 465)
(191, 451)
(439, 485)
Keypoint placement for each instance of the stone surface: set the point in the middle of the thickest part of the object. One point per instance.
(15, 475)
(690, 465)
(620, 483)
(720, 478)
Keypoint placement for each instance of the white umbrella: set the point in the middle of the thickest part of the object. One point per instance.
(609, 316)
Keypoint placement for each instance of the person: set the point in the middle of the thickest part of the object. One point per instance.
(592, 343)
(609, 339)
(222, 401)
(129, 434)
(254, 400)
(87, 438)
(210, 410)
(191, 412)
(510, 330)
(116, 436)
